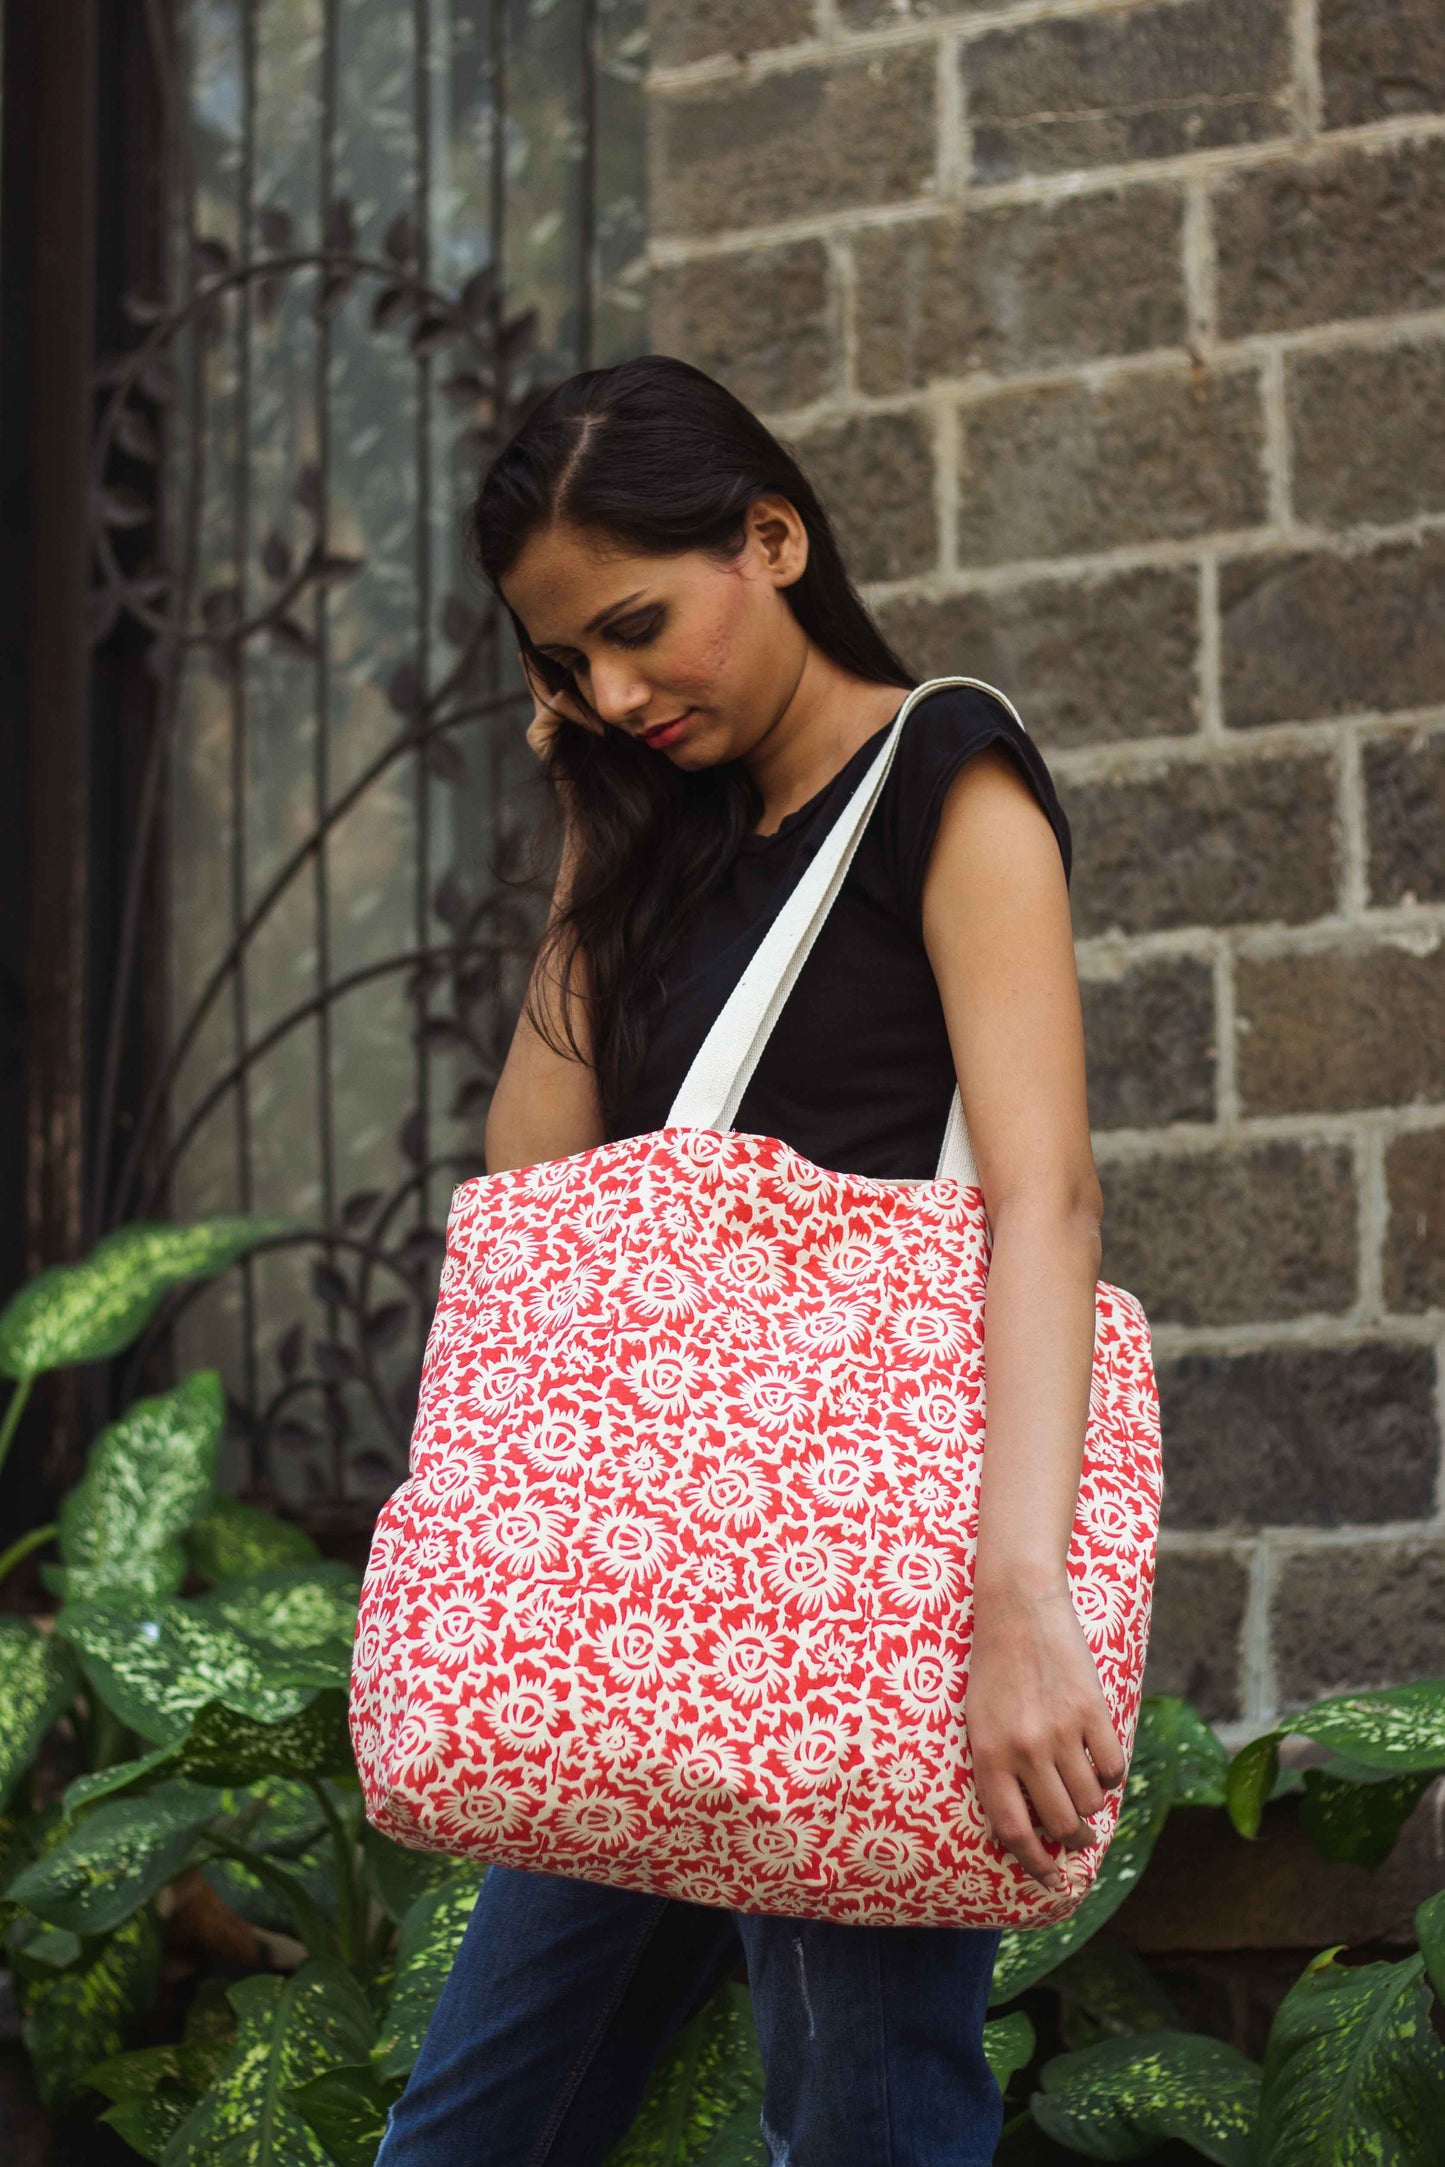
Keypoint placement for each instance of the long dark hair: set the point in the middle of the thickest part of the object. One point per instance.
(659, 456)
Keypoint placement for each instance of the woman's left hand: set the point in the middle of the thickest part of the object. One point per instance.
(1038, 1722)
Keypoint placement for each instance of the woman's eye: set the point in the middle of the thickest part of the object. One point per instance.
(636, 635)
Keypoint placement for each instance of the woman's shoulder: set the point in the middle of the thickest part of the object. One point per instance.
(943, 729)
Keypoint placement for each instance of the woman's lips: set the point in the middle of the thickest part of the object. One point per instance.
(665, 732)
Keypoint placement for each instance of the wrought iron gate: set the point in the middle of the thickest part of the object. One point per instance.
(389, 227)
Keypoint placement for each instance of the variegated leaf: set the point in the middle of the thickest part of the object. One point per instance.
(1430, 1926)
(156, 1671)
(147, 1476)
(704, 2100)
(155, 2088)
(77, 2017)
(307, 1611)
(347, 2109)
(261, 1903)
(190, 2064)
(1121, 2098)
(1166, 1755)
(401, 1876)
(1249, 1783)
(291, 2030)
(1105, 1989)
(1352, 2070)
(149, 2120)
(38, 1677)
(232, 1541)
(430, 1936)
(1395, 1731)
(1008, 2045)
(280, 1816)
(224, 1748)
(115, 1858)
(83, 1312)
(53, 1948)
(1357, 1818)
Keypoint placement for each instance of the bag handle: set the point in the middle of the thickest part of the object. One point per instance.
(713, 1087)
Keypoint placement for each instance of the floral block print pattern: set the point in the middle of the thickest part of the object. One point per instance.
(676, 1595)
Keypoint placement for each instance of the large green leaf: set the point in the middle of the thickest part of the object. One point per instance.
(1008, 2045)
(1396, 1731)
(291, 2030)
(157, 1670)
(1106, 1989)
(233, 1540)
(1430, 1926)
(704, 2099)
(347, 2108)
(117, 1856)
(75, 2017)
(155, 2088)
(83, 1312)
(430, 1936)
(1168, 1758)
(279, 1815)
(192, 2064)
(147, 1476)
(307, 1610)
(148, 2120)
(38, 1676)
(1120, 2098)
(1357, 1817)
(263, 1901)
(401, 1876)
(232, 1751)
(1352, 2070)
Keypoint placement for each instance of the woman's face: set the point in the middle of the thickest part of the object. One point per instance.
(649, 640)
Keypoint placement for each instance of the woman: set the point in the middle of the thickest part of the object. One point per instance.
(709, 690)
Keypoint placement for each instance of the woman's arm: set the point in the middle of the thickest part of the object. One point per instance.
(997, 927)
(546, 1104)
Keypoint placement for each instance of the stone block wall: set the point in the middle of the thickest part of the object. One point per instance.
(1114, 333)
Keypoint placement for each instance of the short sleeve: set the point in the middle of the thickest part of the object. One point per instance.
(946, 728)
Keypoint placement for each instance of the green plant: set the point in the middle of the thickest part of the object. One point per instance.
(200, 1732)
(206, 1732)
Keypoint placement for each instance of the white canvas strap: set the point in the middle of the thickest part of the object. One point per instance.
(712, 1089)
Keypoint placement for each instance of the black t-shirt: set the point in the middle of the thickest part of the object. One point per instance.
(858, 1072)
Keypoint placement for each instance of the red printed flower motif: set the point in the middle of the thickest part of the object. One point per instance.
(664, 1383)
(449, 1629)
(711, 1768)
(840, 1324)
(883, 1855)
(812, 1573)
(813, 1750)
(749, 1663)
(754, 1264)
(629, 1545)
(600, 1824)
(637, 1651)
(529, 1538)
(730, 1492)
(665, 1293)
(933, 1329)
(919, 1576)
(926, 1686)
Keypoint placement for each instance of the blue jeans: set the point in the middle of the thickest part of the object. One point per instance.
(563, 1995)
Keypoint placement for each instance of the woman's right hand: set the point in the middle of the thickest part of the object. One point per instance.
(549, 709)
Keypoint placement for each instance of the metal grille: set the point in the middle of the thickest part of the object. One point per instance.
(390, 227)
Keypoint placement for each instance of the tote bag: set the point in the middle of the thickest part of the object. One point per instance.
(676, 1596)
